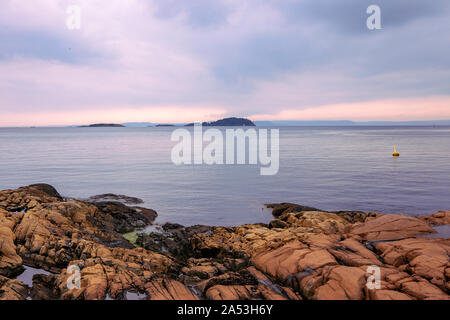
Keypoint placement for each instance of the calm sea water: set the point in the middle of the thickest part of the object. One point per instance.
(333, 168)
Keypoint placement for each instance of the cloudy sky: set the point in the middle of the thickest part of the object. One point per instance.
(191, 60)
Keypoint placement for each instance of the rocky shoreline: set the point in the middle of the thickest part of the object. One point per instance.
(303, 253)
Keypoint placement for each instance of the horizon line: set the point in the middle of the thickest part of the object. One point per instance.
(151, 124)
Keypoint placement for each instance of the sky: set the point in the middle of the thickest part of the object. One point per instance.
(171, 61)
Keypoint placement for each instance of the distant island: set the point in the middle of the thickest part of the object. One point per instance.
(227, 122)
(101, 125)
(276, 123)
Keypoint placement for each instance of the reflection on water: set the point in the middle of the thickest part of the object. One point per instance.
(333, 168)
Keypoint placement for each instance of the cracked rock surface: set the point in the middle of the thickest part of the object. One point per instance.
(304, 253)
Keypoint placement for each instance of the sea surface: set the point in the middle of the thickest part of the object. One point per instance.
(332, 168)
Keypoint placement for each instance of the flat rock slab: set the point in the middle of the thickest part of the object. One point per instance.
(391, 227)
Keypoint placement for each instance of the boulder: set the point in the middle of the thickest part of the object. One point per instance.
(353, 253)
(26, 198)
(316, 221)
(391, 227)
(115, 197)
(438, 219)
(427, 258)
(43, 287)
(122, 218)
(10, 261)
(290, 259)
(48, 189)
(11, 289)
(424, 290)
(342, 283)
(279, 208)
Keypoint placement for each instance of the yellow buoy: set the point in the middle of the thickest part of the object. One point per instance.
(395, 154)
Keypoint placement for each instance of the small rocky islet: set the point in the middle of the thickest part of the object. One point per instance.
(303, 253)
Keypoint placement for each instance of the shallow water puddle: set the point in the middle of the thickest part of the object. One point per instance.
(441, 232)
(18, 211)
(135, 296)
(27, 276)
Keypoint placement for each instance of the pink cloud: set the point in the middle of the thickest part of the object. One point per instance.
(163, 70)
(433, 108)
(161, 114)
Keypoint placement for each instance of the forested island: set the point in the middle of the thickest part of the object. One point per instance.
(227, 122)
(102, 125)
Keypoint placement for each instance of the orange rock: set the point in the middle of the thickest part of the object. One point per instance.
(391, 227)
(12, 289)
(246, 292)
(268, 294)
(424, 290)
(353, 253)
(322, 255)
(203, 268)
(388, 295)
(9, 220)
(233, 292)
(290, 259)
(316, 221)
(10, 261)
(424, 257)
(342, 283)
(438, 218)
(94, 282)
(319, 240)
(269, 290)
(291, 294)
(27, 198)
(308, 284)
(163, 289)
